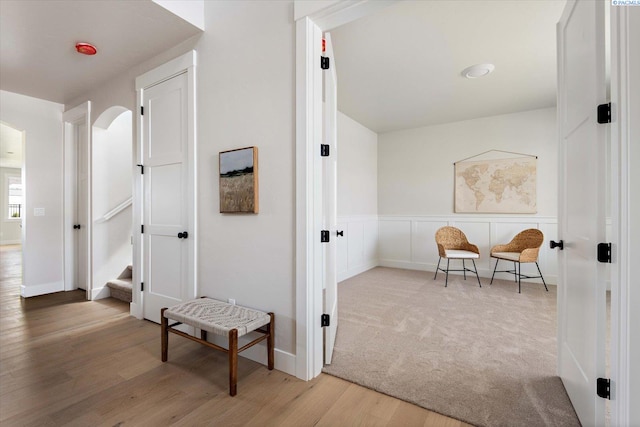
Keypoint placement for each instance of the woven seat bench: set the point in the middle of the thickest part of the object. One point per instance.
(220, 318)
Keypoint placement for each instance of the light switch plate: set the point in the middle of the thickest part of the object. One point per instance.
(38, 211)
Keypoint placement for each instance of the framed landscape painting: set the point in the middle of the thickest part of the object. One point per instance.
(239, 180)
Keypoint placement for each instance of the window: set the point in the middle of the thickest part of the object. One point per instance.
(14, 207)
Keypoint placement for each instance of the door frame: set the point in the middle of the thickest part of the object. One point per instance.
(624, 54)
(185, 63)
(80, 114)
(312, 19)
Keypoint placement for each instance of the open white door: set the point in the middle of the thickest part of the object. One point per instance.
(581, 204)
(329, 202)
(168, 208)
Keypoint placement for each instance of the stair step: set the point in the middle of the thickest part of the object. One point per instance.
(121, 289)
(123, 284)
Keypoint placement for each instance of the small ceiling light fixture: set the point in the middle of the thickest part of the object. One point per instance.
(478, 70)
(86, 48)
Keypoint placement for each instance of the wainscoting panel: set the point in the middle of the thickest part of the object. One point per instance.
(409, 242)
(423, 247)
(358, 248)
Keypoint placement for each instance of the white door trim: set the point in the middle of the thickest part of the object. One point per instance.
(623, 47)
(309, 263)
(185, 63)
(71, 118)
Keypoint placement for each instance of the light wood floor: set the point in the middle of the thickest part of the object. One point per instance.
(67, 361)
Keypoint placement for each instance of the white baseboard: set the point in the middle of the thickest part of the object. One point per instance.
(357, 270)
(42, 289)
(100, 293)
(284, 361)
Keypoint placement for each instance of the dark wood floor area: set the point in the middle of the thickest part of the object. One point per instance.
(68, 361)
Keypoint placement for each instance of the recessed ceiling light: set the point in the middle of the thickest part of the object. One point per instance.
(478, 70)
(86, 48)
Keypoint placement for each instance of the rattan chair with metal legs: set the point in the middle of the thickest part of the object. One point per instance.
(523, 248)
(453, 244)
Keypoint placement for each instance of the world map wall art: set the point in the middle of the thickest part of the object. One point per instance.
(496, 186)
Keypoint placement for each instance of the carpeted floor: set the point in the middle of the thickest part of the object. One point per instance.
(486, 356)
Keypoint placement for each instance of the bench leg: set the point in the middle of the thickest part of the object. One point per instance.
(271, 340)
(164, 327)
(233, 362)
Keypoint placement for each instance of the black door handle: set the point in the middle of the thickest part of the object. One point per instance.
(76, 226)
(183, 235)
(340, 233)
(559, 245)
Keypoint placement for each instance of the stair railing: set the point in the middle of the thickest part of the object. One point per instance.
(115, 211)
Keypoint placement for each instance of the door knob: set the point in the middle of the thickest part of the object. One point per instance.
(76, 226)
(340, 233)
(559, 245)
(183, 235)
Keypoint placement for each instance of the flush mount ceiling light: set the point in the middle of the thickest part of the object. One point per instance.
(478, 70)
(86, 48)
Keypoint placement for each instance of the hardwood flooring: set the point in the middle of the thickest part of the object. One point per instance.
(68, 361)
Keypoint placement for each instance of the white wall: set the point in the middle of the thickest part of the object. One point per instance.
(246, 97)
(42, 252)
(415, 188)
(112, 178)
(10, 232)
(415, 166)
(357, 197)
(357, 168)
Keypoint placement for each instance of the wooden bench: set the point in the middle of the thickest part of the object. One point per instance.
(220, 318)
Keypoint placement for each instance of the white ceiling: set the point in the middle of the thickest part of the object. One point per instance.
(38, 37)
(38, 57)
(400, 68)
(397, 69)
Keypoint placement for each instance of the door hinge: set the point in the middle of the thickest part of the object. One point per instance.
(603, 388)
(141, 110)
(141, 286)
(142, 228)
(324, 236)
(325, 320)
(604, 113)
(324, 150)
(141, 169)
(604, 252)
(324, 62)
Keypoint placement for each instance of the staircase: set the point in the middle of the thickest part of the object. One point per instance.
(121, 287)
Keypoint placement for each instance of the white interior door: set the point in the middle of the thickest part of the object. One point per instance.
(582, 198)
(81, 223)
(329, 172)
(166, 210)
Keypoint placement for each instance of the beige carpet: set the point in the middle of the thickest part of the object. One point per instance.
(486, 356)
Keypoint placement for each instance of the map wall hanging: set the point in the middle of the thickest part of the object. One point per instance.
(505, 185)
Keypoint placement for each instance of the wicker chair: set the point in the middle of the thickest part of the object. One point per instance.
(523, 248)
(453, 244)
